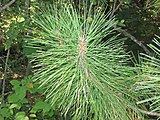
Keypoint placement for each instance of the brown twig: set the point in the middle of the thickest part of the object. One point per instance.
(145, 112)
(27, 15)
(149, 113)
(7, 5)
(125, 33)
(116, 8)
(4, 79)
(113, 9)
(28, 69)
(6, 65)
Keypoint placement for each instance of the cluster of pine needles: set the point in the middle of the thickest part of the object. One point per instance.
(81, 64)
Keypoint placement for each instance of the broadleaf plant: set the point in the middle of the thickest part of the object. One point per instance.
(81, 64)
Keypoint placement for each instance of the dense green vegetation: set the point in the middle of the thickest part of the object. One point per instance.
(78, 59)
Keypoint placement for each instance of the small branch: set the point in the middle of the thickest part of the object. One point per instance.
(115, 8)
(145, 112)
(149, 113)
(118, 6)
(28, 69)
(27, 16)
(4, 79)
(125, 33)
(6, 65)
(7, 5)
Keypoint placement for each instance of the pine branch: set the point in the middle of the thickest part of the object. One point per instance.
(74, 80)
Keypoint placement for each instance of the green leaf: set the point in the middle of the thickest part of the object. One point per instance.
(21, 19)
(26, 118)
(29, 85)
(21, 116)
(12, 34)
(33, 115)
(1, 117)
(47, 108)
(10, 31)
(121, 23)
(13, 98)
(24, 100)
(35, 88)
(20, 113)
(24, 82)
(15, 82)
(17, 106)
(5, 112)
(8, 44)
(22, 92)
(51, 113)
(28, 51)
(94, 2)
(41, 105)
(19, 40)
(17, 89)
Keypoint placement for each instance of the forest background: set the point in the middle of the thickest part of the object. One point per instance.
(139, 21)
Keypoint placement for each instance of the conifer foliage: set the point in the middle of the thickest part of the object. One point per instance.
(150, 77)
(82, 74)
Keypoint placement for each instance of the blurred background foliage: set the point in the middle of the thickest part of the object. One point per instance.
(141, 18)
